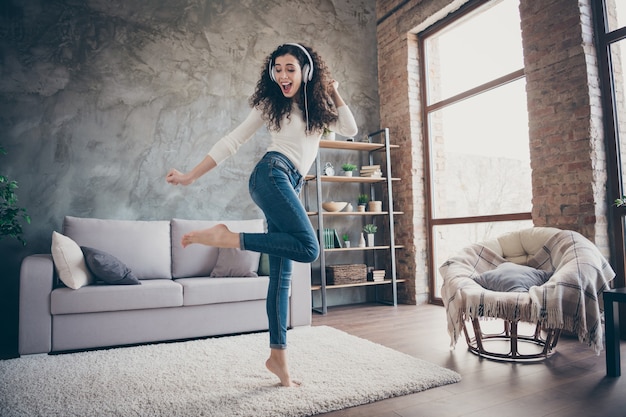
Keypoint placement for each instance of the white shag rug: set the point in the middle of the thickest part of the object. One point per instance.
(214, 377)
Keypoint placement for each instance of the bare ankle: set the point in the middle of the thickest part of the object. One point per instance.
(277, 364)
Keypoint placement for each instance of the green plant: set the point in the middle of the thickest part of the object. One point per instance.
(619, 202)
(326, 132)
(363, 199)
(10, 214)
(348, 167)
(345, 237)
(370, 228)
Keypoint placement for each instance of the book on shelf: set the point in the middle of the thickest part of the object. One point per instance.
(378, 275)
(371, 171)
(331, 239)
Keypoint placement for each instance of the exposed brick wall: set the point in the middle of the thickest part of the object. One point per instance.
(401, 101)
(565, 125)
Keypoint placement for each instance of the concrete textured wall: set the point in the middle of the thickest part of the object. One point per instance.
(98, 98)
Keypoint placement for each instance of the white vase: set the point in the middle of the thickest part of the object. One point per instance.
(370, 239)
(346, 243)
(361, 241)
(347, 173)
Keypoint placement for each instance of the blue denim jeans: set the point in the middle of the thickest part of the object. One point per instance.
(274, 186)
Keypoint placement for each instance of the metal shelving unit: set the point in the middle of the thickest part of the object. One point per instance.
(377, 142)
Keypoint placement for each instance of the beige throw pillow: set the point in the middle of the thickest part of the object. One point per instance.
(70, 262)
(233, 262)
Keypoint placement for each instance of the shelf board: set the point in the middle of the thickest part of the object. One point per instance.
(352, 213)
(360, 284)
(365, 248)
(342, 178)
(354, 146)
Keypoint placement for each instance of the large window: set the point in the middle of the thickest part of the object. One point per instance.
(610, 17)
(476, 128)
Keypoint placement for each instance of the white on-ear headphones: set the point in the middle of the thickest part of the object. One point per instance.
(307, 69)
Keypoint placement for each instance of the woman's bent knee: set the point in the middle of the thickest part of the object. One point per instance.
(310, 253)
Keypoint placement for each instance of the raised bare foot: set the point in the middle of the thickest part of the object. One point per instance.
(281, 371)
(219, 236)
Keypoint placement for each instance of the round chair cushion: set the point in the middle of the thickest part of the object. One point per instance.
(519, 246)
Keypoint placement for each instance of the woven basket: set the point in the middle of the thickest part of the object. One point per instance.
(346, 274)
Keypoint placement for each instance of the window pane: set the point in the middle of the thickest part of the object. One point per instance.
(482, 47)
(480, 155)
(449, 240)
(618, 60)
(616, 14)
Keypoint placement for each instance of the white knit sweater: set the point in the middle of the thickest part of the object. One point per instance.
(291, 140)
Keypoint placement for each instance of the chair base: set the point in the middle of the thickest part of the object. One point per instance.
(476, 343)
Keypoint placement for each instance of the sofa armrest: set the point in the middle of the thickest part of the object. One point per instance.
(301, 295)
(35, 325)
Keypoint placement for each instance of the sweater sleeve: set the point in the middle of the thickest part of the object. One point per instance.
(345, 124)
(230, 144)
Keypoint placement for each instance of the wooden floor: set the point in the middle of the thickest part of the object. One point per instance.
(571, 383)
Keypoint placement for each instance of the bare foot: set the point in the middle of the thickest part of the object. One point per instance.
(219, 236)
(277, 364)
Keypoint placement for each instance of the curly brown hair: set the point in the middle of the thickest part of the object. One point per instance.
(269, 98)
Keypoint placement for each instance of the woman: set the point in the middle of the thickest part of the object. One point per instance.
(296, 99)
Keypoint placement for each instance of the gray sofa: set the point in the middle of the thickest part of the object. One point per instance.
(177, 299)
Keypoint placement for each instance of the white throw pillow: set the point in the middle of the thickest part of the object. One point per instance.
(70, 262)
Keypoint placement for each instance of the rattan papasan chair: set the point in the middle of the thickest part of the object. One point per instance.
(550, 278)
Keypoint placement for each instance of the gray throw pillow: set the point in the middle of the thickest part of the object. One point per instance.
(236, 263)
(511, 277)
(108, 268)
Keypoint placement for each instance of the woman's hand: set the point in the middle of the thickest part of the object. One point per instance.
(333, 85)
(175, 177)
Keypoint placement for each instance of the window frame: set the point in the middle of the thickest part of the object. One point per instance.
(615, 187)
(431, 222)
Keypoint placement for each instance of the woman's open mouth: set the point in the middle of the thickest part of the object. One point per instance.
(286, 87)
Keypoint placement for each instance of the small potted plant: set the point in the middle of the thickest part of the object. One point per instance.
(347, 169)
(346, 240)
(362, 201)
(10, 213)
(370, 229)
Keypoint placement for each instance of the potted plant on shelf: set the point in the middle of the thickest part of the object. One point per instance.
(10, 214)
(347, 169)
(370, 229)
(362, 201)
(328, 134)
(346, 240)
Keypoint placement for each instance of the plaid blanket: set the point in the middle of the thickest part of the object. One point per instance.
(570, 300)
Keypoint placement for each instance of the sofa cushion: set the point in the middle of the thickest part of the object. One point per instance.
(108, 268)
(199, 260)
(154, 293)
(144, 246)
(236, 263)
(69, 262)
(199, 291)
